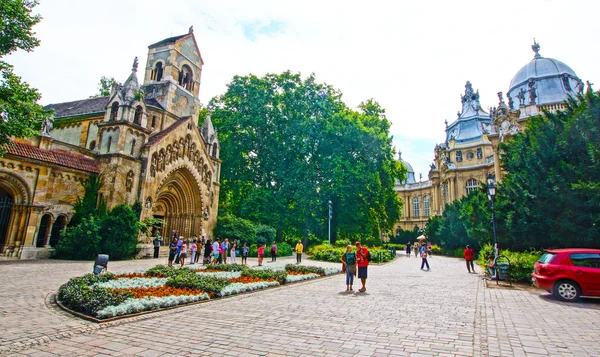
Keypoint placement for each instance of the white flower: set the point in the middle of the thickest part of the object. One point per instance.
(130, 306)
(222, 274)
(237, 288)
(332, 271)
(294, 278)
(133, 283)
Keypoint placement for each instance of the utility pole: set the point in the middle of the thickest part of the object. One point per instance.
(330, 215)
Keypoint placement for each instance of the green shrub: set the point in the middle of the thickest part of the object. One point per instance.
(328, 253)
(187, 278)
(304, 269)
(80, 242)
(264, 274)
(226, 267)
(232, 227)
(119, 233)
(160, 270)
(401, 247)
(79, 294)
(436, 249)
(521, 264)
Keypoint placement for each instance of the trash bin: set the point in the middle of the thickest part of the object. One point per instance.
(503, 269)
(101, 264)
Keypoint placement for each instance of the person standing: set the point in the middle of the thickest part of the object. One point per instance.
(193, 249)
(207, 251)
(224, 249)
(261, 253)
(424, 257)
(179, 244)
(215, 251)
(157, 243)
(362, 262)
(232, 251)
(183, 252)
(416, 250)
(172, 251)
(200, 246)
(408, 249)
(299, 249)
(469, 255)
(245, 251)
(349, 260)
(273, 252)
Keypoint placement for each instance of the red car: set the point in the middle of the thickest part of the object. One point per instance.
(568, 273)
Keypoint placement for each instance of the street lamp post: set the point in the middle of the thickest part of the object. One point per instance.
(330, 214)
(491, 196)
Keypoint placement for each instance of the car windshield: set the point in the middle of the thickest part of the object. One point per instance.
(546, 258)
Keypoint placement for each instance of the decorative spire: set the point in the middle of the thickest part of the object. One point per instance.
(135, 64)
(399, 155)
(191, 30)
(536, 48)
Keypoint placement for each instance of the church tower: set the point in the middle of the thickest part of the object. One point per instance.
(173, 72)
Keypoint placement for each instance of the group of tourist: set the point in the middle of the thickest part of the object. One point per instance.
(215, 252)
(422, 250)
(356, 262)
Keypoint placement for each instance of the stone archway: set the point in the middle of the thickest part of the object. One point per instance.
(14, 203)
(180, 197)
(6, 202)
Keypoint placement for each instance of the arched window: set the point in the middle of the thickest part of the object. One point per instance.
(43, 231)
(137, 118)
(93, 145)
(426, 206)
(215, 150)
(158, 71)
(186, 77)
(114, 111)
(109, 143)
(416, 207)
(132, 147)
(57, 227)
(472, 185)
(153, 121)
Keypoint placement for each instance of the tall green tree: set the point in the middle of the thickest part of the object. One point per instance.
(549, 198)
(20, 115)
(105, 87)
(289, 145)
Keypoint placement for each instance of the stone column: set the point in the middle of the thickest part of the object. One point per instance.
(48, 230)
(34, 213)
(497, 171)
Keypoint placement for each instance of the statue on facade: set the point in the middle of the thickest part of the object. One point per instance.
(521, 96)
(129, 181)
(532, 94)
(589, 86)
(47, 125)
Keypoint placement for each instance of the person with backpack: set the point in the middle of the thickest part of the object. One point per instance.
(349, 260)
(362, 262)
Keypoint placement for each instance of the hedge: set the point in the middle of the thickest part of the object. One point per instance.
(521, 264)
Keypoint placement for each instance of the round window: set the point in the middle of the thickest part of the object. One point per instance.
(470, 155)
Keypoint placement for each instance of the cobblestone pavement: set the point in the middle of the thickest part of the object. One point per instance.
(405, 312)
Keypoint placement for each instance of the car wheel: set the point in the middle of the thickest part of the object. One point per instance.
(566, 290)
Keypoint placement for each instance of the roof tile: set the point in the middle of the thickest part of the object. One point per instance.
(58, 157)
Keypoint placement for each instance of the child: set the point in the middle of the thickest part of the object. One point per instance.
(349, 260)
(183, 253)
(424, 258)
(261, 254)
(245, 251)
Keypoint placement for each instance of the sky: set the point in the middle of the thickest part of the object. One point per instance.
(413, 57)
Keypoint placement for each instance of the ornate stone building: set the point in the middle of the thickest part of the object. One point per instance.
(142, 139)
(470, 151)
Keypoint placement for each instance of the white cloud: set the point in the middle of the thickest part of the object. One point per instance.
(412, 57)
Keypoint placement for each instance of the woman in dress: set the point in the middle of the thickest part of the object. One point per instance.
(183, 253)
(232, 251)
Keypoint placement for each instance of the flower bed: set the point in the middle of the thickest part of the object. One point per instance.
(110, 295)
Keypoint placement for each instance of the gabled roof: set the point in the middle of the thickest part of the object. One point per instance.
(168, 40)
(153, 139)
(57, 157)
(152, 102)
(79, 107)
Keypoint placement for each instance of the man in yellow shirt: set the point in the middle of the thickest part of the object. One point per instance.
(299, 248)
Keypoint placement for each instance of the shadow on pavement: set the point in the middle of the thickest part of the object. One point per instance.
(583, 303)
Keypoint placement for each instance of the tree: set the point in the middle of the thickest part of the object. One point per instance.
(549, 197)
(119, 232)
(20, 114)
(105, 87)
(89, 204)
(289, 145)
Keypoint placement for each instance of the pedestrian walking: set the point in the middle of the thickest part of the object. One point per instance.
(416, 250)
(424, 257)
(193, 250)
(362, 262)
(261, 253)
(299, 249)
(172, 251)
(179, 244)
(158, 241)
(408, 249)
(183, 253)
(233, 252)
(200, 252)
(245, 251)
(273, 252)
(349, 260)
(469, 254)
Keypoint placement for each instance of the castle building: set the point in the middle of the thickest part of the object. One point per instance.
(143, 140)
(470, 152)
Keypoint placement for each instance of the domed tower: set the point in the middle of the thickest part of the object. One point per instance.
(543, 83)
(410, 175)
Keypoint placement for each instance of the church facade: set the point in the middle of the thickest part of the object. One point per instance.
(143, 141)
(470, 152)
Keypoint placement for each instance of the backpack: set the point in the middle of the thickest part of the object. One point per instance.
(368, 255)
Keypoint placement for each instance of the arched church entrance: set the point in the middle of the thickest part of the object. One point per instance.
(179, 201)
(6, 202)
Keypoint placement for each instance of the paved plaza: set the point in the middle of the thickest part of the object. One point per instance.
(405, 312)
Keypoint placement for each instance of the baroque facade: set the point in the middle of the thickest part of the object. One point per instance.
(143, 140)
(470, 152)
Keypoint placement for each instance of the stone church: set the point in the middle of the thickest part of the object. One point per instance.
(143, 140)
(470, 152)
